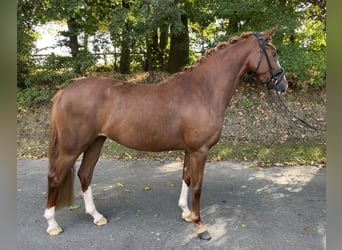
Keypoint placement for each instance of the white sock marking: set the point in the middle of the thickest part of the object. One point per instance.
(90, 206)
(183, 201)
(49, 215)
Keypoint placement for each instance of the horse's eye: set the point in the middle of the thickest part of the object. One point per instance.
(274, 54)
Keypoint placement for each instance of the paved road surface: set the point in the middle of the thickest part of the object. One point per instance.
(244, 208)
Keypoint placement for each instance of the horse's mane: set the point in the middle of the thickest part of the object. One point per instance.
(219, 46)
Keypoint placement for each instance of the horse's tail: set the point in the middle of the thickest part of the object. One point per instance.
(65, 189)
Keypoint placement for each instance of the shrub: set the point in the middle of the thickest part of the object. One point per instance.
(33, 97)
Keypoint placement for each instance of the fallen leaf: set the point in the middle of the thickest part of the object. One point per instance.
(147, 188)
(74, 207)
(170, 184)
(120, 185)
(288, 242)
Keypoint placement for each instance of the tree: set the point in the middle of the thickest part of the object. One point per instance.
(168, 34)
(124, 30)
(179, 46)
(82, 17)
(163, 20)
(29, 14)
(185, 12)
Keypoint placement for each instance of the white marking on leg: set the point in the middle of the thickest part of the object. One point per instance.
(53, 227)
(90, 208)
(183, 202)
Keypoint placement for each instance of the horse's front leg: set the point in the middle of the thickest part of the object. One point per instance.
(197, 163)
(192, 177)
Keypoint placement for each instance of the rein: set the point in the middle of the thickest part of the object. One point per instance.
(297, 120)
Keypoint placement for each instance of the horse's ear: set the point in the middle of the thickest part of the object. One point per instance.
(269, 33)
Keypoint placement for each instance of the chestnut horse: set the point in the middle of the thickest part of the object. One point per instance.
(184, 113)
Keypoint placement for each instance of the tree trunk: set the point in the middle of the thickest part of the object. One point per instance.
(125, 57)
(163, 40)
(156, 49)
(179, 47)
(152, 48)
(73, 43)
(73, 33)
(233, 26)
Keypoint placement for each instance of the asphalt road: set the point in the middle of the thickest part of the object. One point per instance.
(243, 208)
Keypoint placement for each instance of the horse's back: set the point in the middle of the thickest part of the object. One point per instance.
(86, 93)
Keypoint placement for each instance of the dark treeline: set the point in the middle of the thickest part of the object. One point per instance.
(166, 35)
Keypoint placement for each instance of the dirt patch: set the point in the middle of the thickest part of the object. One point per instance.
(255, 116)
(252, 117)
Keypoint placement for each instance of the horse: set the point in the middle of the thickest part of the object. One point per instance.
(185, 112)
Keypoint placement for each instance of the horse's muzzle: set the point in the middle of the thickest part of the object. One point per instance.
(280, 86)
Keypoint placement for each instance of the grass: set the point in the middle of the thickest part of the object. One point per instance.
(251, 153)
(261, 155)
(270, 155)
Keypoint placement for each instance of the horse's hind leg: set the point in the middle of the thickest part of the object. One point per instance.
(60, 189)
(85, 173)
(183, 199)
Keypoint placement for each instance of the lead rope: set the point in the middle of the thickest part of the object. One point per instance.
(297, 120)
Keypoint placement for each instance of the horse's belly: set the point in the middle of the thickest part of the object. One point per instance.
(147, 139)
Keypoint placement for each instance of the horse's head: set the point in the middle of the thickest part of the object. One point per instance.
(264, 63)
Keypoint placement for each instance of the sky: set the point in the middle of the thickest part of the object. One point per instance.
(49, 37)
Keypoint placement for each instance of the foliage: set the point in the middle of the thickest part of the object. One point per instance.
(32, 97)
(140, 32)
(306, 66)
(51, 74)
(57, 71)
(29, 14)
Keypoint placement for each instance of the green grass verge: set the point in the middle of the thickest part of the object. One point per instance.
(251, 153)
(270, 155)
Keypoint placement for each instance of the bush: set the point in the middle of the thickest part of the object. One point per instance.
(33, 97)
(305, 66)
(57, 71)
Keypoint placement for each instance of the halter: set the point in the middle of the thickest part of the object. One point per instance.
(272, 78)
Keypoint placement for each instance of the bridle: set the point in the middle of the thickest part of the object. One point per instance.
(273, 79)
(273, 74)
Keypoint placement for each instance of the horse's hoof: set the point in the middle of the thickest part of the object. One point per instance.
(102, 221)
(55, 231)
(187, 218)
(204, 235)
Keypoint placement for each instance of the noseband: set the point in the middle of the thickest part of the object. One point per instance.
(273, 74)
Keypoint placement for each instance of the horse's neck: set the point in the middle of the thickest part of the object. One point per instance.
(222, 76)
